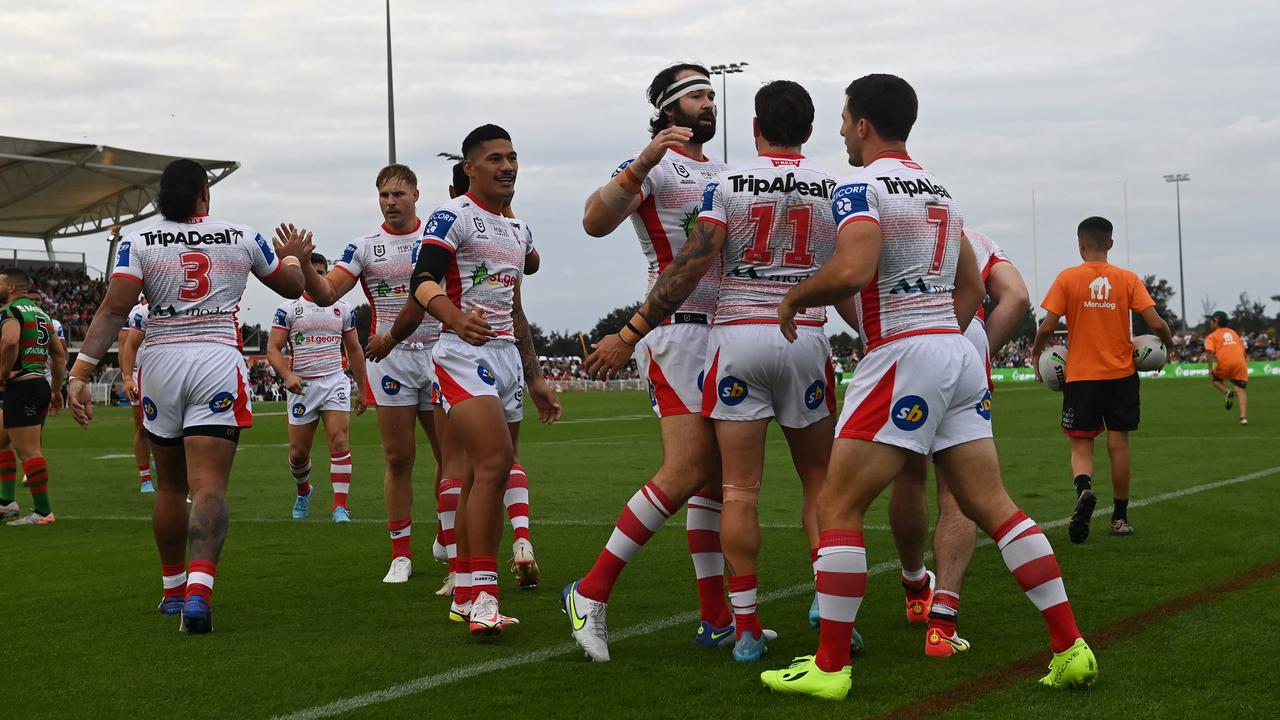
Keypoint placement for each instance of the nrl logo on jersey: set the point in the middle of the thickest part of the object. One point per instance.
(230, 236)
(479, 223)
(787, 184)
(379, 250)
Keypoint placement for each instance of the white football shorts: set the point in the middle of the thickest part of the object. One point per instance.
(193, 384)
(671, 359)
(753, 373)
(403, 378)
(925, 393)
(464, 371)
(323, 394)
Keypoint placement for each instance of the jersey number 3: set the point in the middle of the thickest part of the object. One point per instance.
(195, 268)
(798, 217)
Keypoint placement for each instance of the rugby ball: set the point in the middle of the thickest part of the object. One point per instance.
(1053, 367)
(1149, 353)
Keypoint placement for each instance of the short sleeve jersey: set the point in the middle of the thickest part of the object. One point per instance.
(488, 259)
(35, 333)
(989, 254)
(1095, 298)
(778, 232)
(383, 263)
(137, 319)
(921, 225)
(315, 335)
(194, 274)
(670, 199)
(1226, 346)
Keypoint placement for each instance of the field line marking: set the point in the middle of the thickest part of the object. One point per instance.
(429, 682)
(1031, 665)
(547, 522)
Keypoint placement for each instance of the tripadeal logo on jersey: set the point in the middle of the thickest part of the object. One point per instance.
(227, 236)
(781, 184)
(918, 186)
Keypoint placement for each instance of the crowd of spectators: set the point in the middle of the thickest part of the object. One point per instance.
(1188, 347)
(267, 387)
(570, 368)
(69, 296)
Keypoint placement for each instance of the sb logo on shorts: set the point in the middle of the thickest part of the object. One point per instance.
(732, 390)
(149, 408)
(486, 375)
(653, 395)
(910, 412)
(222, 402)
(984, 406)
(390, 385)
(702, 376)
(816, 393)
(298, 410)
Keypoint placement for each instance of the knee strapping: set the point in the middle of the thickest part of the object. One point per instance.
(741, 493)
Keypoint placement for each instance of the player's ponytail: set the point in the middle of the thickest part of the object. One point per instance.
(180, 188)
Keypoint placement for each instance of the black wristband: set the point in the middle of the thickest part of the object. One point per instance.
(635, 330)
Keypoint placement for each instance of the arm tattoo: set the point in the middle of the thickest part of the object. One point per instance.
(524, 341)
(678, 280)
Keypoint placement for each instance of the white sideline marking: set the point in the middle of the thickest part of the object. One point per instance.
(549, 522)
(429, 682)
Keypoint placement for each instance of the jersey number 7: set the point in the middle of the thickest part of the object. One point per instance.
(798, 217)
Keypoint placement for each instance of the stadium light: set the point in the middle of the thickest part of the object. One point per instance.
(724, 71)
(391, 99)
(1177, 179)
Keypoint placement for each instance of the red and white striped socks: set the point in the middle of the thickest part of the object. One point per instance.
(842, 583)
(174, 578)
(401, 532)
(447, 512)
(702, 530)
(1030, 558)
(144, 474)
(340, 477)
(642, 516)
(516, 498)
(462, 582)
(484, 575)
(200, 580)
(742, 594)
(302, 477)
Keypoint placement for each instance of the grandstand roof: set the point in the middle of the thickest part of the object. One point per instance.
(55, 189)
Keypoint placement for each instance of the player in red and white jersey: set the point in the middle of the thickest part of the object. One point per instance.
(955, 536)
(660, 189)
(129, 341)
(318, 389)
(768, 222)
(194, 390)
(919, 390)
(399, 384)
(473, 258)
(453, 465)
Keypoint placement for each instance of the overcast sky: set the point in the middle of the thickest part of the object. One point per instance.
(1071, 100)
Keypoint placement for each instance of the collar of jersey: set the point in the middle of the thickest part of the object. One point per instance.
(782, 157)
(415, 229)
(481, 205)
(682, 153)
(891, 155)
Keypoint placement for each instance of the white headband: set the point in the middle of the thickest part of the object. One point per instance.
(680, 88)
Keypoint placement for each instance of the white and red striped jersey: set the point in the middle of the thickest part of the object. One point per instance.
(315, 335)
(911, 293)
(137, 318)
(670, 199)
(194, 273)
(778, 232)
(488, 258)
(989, 254)
(383, 263)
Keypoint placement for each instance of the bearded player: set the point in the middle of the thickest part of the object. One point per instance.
(660, 190)
(318, 389)
(919, 390)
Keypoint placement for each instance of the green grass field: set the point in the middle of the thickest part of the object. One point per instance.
(304, 627)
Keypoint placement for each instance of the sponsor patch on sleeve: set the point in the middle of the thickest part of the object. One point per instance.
(267, 252)
(849, 200)
(281, 320)
(439, 224)
(623, 166)
(709, 196)
(122, 254)
(348, 253)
